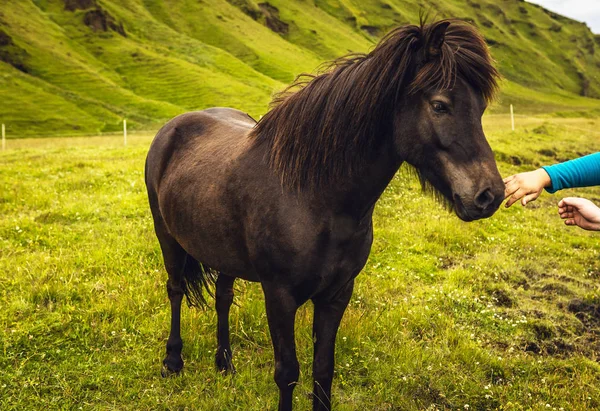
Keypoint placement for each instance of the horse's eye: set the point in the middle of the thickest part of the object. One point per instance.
(439, 107)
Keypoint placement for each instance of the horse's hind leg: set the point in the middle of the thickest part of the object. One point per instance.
(223, 301)
(175, 259)
(175, 264)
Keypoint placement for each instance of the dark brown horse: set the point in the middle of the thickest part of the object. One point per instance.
(289, 201)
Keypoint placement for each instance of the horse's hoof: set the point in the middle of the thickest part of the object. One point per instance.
(227, 370)
(226, 367)
(224, 363)
(169, 369)
(166, 372)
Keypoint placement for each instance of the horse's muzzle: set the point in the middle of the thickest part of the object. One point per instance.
(483, 205)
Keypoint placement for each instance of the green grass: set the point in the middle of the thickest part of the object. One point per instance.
(491, 314)
(59, 77)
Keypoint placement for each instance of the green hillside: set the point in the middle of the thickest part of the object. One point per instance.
(80, 66)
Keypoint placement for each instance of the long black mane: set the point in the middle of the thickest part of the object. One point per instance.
(324, 126)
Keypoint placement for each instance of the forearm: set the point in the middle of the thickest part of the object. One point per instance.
(581, 172)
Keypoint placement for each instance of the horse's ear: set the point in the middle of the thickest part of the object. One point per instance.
(436, 39)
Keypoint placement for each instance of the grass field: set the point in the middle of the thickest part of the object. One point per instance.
(497, 314)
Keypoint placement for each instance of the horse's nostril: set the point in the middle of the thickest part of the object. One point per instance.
(484, 198)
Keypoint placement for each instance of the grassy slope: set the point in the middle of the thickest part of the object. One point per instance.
(496, 314)
(186, 54)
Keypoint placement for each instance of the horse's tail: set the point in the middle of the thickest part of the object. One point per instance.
(199, 280)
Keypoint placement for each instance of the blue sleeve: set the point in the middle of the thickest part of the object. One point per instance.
(581, 172)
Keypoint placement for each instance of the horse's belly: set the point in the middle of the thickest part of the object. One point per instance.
(215, 250)
(206, 227)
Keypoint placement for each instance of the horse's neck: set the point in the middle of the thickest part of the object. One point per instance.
(357, 196)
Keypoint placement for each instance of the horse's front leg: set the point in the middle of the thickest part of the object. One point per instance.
(281, 315)
(328, 315)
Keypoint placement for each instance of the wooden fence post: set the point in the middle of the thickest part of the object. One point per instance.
(512, 118)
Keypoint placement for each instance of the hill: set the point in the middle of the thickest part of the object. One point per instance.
(80, 66)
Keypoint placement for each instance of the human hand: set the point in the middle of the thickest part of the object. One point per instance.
(525, 186)
(580, 212)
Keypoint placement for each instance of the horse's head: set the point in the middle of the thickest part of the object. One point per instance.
(438, 125)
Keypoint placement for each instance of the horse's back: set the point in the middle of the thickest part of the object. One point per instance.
(199, 145)
(214, 129)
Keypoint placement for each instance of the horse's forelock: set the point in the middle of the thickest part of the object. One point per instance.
(463, 53)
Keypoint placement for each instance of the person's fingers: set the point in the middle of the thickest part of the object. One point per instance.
(570, 222)
(565, 209)
(529, 197)
(510, 189)
(515, 197)
(567, 201)
(575, 202)
(509, 179)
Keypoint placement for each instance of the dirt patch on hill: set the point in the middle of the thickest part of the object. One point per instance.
(247, 7)
(556, 288)
(554, 347)
(99, 19)
(12, 54)
(502, 298)
(587, 312)
(583, 339)
(272, 20)
(72, 5)
(265, 13)
(372, 30)
(96, 18)
(575, 330)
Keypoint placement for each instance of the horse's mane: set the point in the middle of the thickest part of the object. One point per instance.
(324, 126)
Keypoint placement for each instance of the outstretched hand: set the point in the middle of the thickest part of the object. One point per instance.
(580, 212)
(525, 186)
